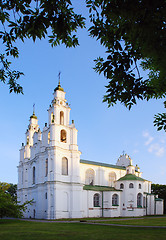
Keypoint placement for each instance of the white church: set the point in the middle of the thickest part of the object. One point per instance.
(62, 185)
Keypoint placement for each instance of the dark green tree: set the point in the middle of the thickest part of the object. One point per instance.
(8, 204)
(12, 190)
(22, 19)
(134, 35)
(160, 190)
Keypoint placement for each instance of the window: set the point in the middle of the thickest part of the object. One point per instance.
(121, 186)
(34, 213)
(48, 137)
(115, 200)
(131, 185)
(63, 136)
(111, 179)
(61, 117)
(144, 201)
(33, 175)
(46, 195)
(64, 166)
(46, 167)
(139, 186)
(27, 140)
(89, 176)
(52, 117)
(96, 200)
(139, 200)
(22, 178)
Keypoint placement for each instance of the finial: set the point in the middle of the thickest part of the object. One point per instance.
(123, 152)
(33, 115)
(59, 75)
(59, 83)
(34, 109)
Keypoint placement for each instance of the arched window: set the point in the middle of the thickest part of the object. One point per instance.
(34, 175)
(61, 117)
(96, 200)
(111, 179)
(22, 178)
(89, 176)
(46, 195)
(64, 166)
(139, 200)
(144, 202)
(27, 140)
(48, 137)
(46, 167)
(115, 200)
(131, 185)
(63, 136)
(127, 171)
(139, 186)
(121, 186)
(52, 117)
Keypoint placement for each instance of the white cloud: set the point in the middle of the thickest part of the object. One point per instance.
(156, 149)
(148, 137)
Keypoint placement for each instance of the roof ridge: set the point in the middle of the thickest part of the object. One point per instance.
(101, 164)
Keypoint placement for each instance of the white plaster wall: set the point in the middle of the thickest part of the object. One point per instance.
(159, 207)
(101, 173)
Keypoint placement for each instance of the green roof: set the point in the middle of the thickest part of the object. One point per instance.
(101, 164)
(158, 199)
(99, 188)
(149, 193)
(131, 177)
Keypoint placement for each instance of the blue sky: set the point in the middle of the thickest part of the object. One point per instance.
(103, 133)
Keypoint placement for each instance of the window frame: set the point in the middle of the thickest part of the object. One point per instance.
(131, 185)
(139, 200)
(122, 184)
(63, 132)
(65, 170)
(115, 199)
(34, 175)
(96, 200)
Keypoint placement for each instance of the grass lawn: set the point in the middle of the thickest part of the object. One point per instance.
(22, 230)
(145, 222)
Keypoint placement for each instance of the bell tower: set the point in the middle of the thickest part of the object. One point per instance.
(63, 155)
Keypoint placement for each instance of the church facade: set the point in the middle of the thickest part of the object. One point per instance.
(62, 185)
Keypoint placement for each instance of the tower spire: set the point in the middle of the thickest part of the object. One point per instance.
(59, 75)
(33, 115)
(34, 109)
(59, 83)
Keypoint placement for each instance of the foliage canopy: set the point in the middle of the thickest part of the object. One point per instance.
(8, 203)
(21, 19)
(133, 33)
(160, 190)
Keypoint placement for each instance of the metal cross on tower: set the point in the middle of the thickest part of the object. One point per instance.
(59, 76)
(34, 109)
